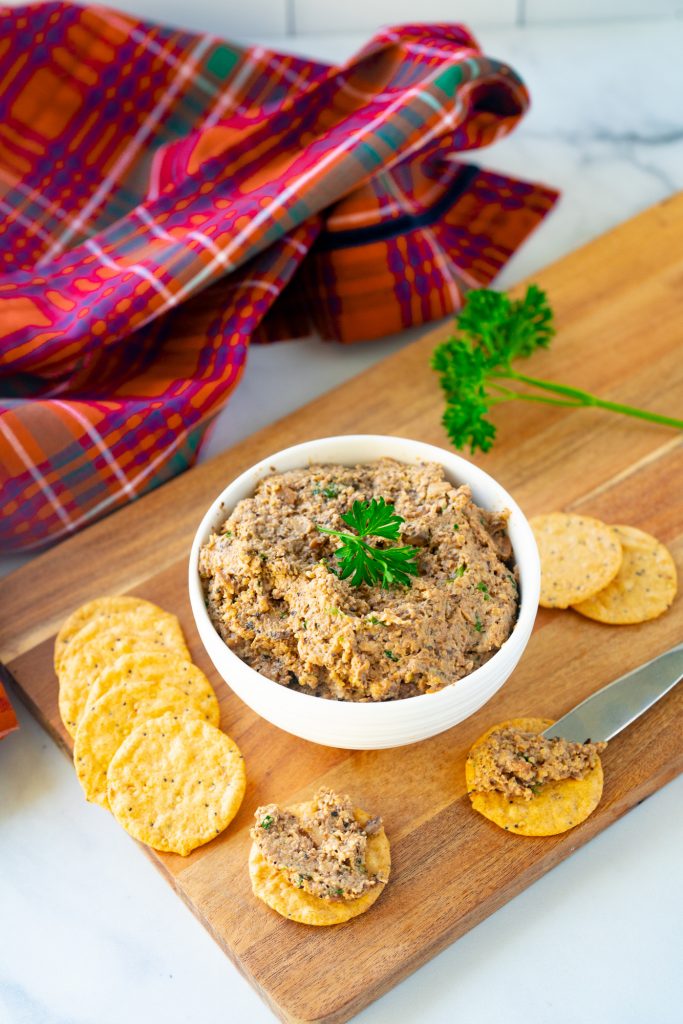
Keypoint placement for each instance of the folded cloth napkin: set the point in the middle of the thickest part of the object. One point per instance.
(8, 719)
(166, 197)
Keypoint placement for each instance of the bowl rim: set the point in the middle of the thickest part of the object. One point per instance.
(306, 704)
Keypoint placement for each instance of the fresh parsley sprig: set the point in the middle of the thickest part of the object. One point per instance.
(364, 563)
(476, 372)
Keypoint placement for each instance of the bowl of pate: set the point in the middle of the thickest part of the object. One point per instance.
(364, 667)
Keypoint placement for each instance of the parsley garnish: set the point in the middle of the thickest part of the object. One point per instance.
(475, 366)
(479, 626)
(456, 526)
(331, 491)
(267, 822)
(364, 563)
(338, 892)
(391, 656)
(460, 571)
(484, 589)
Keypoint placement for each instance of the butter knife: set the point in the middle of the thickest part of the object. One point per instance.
(609, 710)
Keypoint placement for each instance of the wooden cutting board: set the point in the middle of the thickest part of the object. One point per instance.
(619, 305)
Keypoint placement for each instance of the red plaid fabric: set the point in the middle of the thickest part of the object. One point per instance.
(167, 197)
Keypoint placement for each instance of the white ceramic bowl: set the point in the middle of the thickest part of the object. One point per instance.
(351, 725)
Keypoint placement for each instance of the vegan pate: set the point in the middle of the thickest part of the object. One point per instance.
(517, 763)
(322, 852)
(275, 597)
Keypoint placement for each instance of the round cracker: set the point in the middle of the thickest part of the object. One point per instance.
(83, 664)
(119, 612)
(558, 806)
(644, 587)
(176, 783)
(579, 556)
(272, 886)
(154, 668)
(106, 723)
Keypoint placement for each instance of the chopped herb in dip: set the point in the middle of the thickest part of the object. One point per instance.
(460, 571)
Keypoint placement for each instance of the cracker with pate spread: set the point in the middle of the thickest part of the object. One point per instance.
(529, 785)
(322, 862)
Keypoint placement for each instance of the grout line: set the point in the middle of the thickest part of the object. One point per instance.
(290, 17)
(521, 13)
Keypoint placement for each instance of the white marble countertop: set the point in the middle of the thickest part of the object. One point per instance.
(91, 934)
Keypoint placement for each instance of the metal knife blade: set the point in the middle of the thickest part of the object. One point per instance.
(609, 710)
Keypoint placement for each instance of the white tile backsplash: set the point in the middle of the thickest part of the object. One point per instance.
(224, 18)
(274, 19)
(318, 16)
(536, 12)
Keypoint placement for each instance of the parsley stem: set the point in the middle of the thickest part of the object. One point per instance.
(510, 395)
(476, 370)
(586, 398)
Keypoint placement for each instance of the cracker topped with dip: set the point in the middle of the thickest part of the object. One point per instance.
(531, 785)
(322, 862)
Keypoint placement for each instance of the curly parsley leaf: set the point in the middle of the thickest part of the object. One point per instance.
(374, 519)
(361, 562)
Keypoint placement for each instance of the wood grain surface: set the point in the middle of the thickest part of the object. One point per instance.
(619, 305)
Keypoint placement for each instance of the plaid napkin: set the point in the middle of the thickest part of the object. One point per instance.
(8, 719)
(168, 197)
